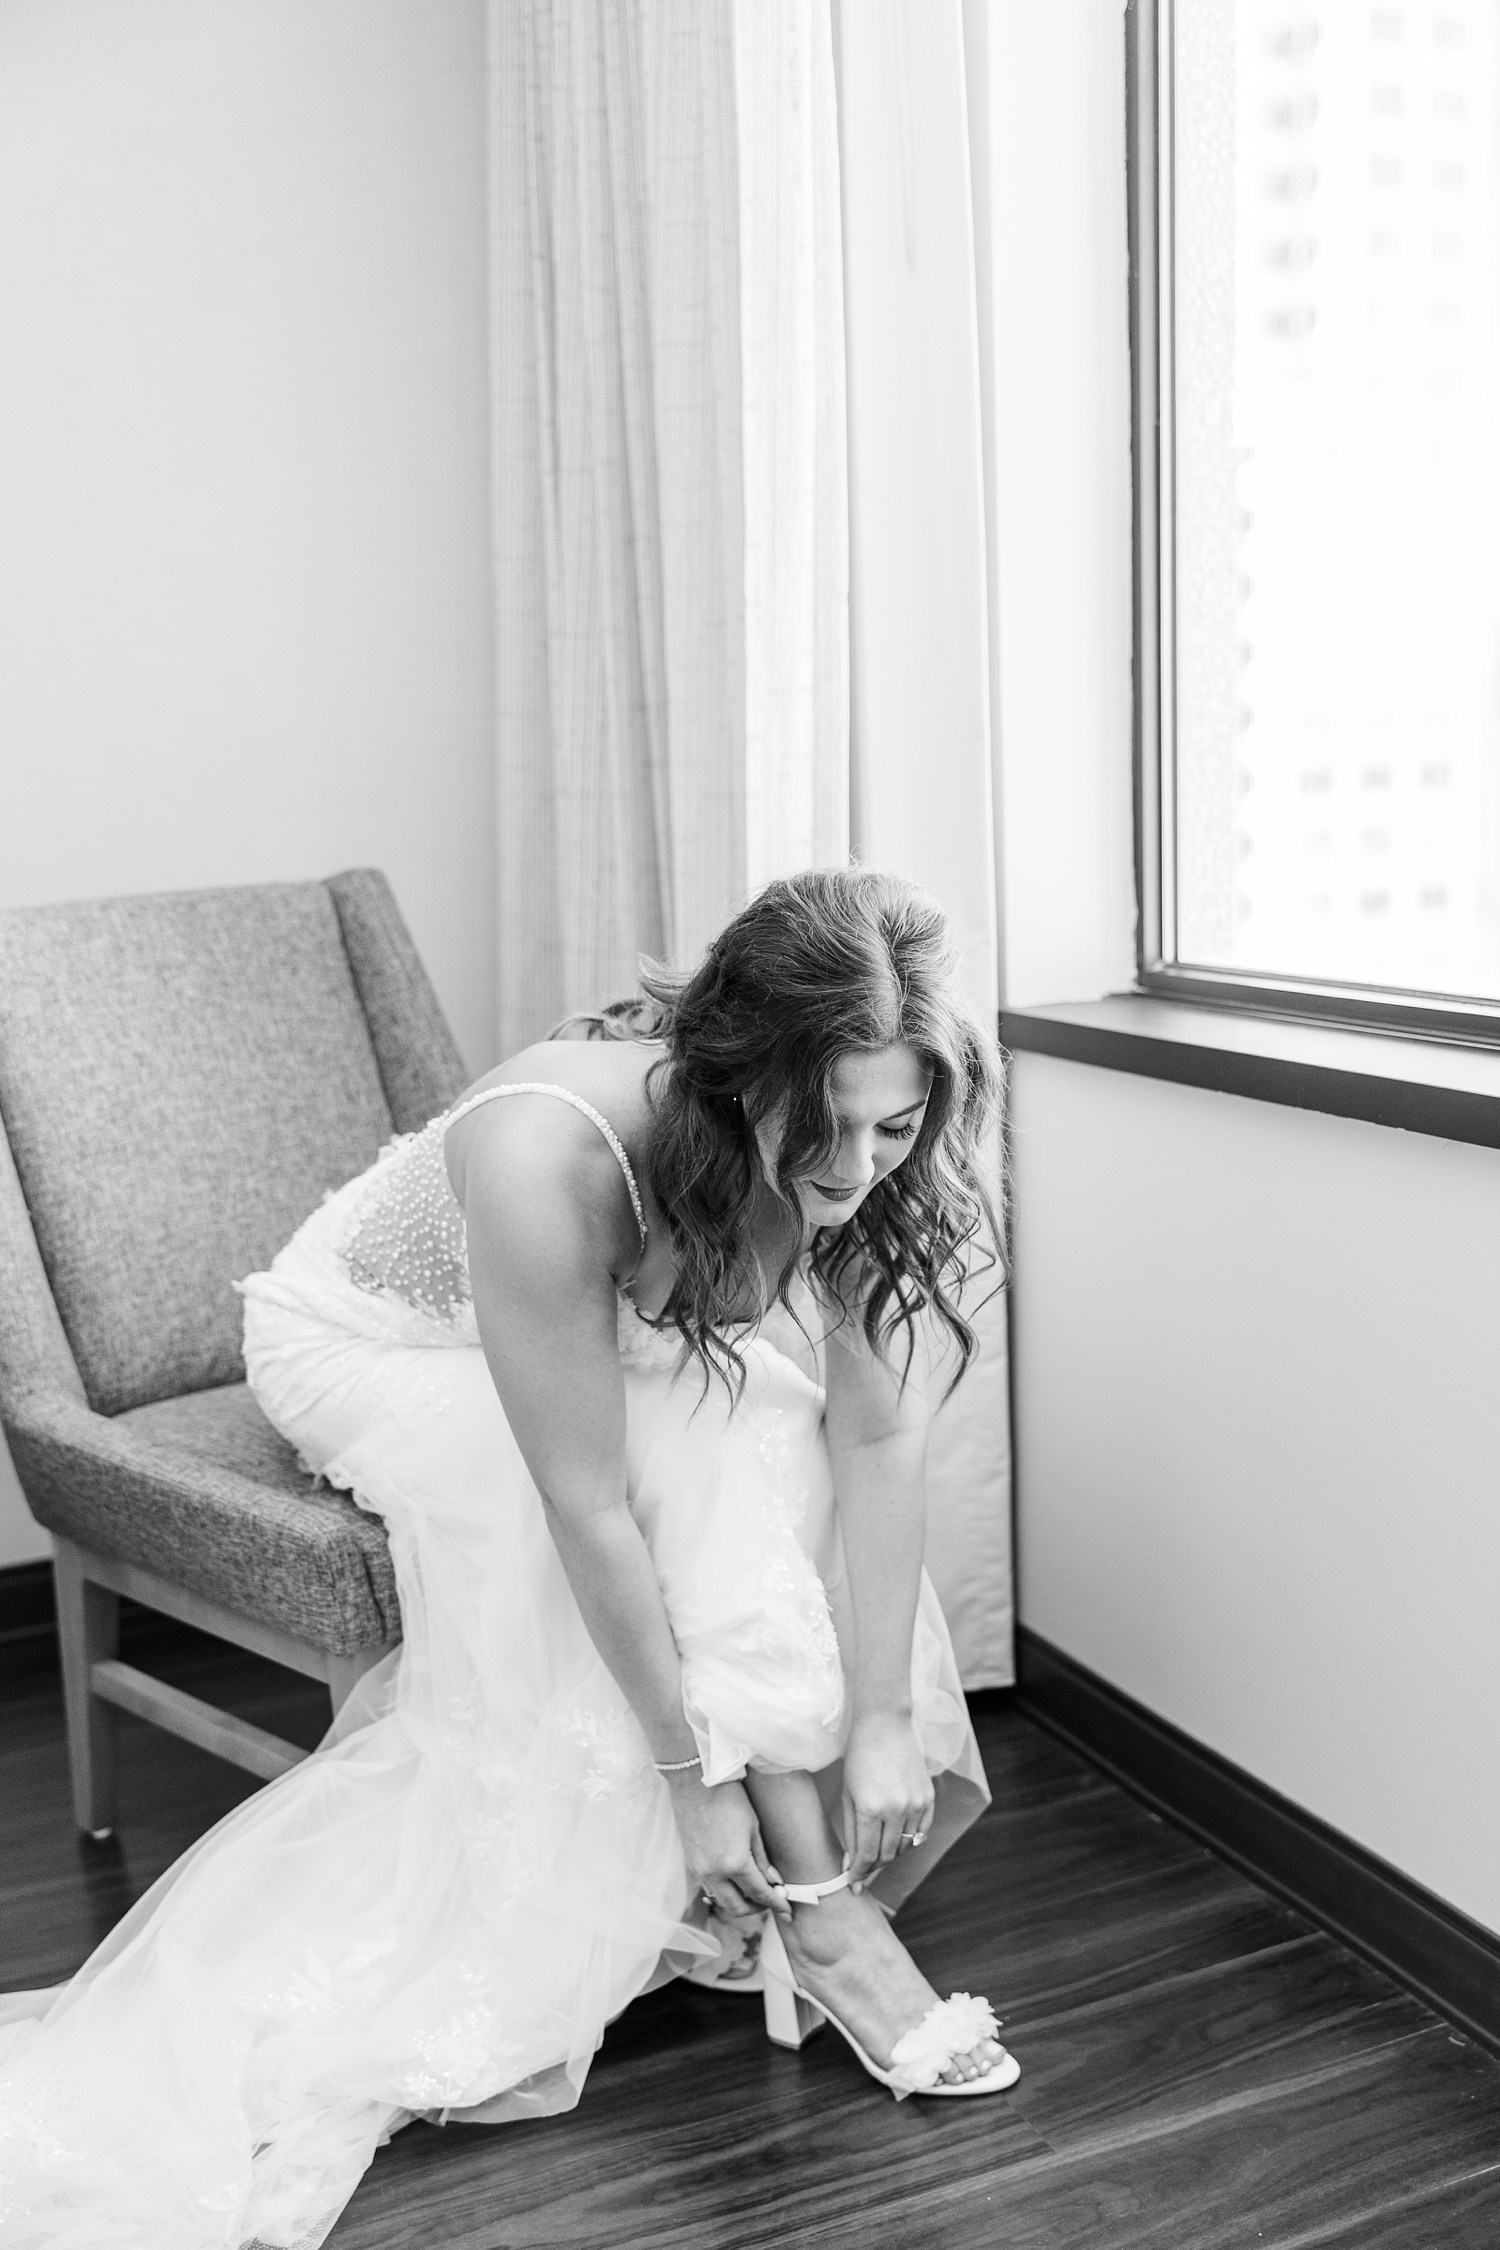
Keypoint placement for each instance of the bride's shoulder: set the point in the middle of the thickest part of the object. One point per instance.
(610, 1076)
(527, 1134)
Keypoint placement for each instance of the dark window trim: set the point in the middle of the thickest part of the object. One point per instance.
(1406, 1013)
(1448, 1089)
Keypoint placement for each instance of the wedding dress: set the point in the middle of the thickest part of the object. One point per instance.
(439, 1911)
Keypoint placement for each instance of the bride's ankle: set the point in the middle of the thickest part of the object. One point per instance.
(826, 1931)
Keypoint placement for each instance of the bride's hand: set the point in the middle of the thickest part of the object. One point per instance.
(888, 1792)
(722, 1843)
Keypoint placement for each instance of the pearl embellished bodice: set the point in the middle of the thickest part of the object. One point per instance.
(409, 1239)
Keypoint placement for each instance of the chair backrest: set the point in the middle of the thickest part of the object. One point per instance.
(182, 1079)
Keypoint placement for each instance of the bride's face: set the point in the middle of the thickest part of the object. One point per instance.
(878, 1100)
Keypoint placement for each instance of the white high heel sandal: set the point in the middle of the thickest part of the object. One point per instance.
(920, 2056)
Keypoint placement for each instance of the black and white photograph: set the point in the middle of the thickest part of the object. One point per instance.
(749, 1124)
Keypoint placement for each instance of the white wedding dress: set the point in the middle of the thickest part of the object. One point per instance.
(441, 1909)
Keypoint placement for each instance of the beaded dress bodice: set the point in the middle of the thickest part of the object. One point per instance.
(409, 1239)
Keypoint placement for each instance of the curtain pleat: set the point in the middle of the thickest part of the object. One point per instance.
(672, 524)
(920, 648)
(796, 491)
(671, 546)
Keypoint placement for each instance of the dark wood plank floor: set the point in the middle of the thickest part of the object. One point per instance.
(1202, 2069)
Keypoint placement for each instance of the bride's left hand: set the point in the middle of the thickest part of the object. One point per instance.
(888, 1795)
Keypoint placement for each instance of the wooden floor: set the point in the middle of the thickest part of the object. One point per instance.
(1200, 2067)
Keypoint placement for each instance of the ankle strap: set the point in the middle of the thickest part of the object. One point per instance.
(810, 1894)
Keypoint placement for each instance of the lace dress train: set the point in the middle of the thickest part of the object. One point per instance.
(441, 1909)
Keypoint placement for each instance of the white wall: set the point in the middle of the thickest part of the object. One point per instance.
(1254, 1348)
(244, 536)
(245, 615)
(1254, 1386)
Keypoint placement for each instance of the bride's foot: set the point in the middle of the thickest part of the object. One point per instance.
(736, 1967)
(844, 1952)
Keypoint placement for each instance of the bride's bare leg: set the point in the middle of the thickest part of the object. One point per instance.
(844, 1950)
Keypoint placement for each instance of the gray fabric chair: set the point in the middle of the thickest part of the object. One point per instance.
(182, 1079)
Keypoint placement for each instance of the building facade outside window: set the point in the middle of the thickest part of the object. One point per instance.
(1318, 340)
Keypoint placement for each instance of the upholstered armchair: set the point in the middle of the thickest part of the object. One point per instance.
(182, 1079)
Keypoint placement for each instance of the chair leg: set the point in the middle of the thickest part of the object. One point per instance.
(88, 1629)
(344, 1672)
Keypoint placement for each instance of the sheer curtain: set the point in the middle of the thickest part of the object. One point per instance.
(684, 215)
(920, 642)
(670, 506)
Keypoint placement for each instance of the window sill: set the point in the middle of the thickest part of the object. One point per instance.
(1416, 1085)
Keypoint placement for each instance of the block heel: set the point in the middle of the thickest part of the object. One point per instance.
(791, 2018)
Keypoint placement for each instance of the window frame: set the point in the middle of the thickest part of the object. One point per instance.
(1402, 1012)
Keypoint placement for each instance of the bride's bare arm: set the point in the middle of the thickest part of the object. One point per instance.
(546, 1240)
(877, 1439)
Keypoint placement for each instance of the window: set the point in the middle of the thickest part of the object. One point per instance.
(1316, 252)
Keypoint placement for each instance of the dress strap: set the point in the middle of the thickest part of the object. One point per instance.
(574, 1101)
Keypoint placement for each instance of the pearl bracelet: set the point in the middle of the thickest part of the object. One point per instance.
(679, 1765)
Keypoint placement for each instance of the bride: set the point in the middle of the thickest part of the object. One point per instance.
(616, 1348)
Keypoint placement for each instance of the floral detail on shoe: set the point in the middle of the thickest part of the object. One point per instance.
(950, 2027)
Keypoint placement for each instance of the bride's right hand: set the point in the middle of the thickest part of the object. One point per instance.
(722, 1844)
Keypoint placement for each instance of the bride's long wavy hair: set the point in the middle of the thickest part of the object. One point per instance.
(819, 966)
